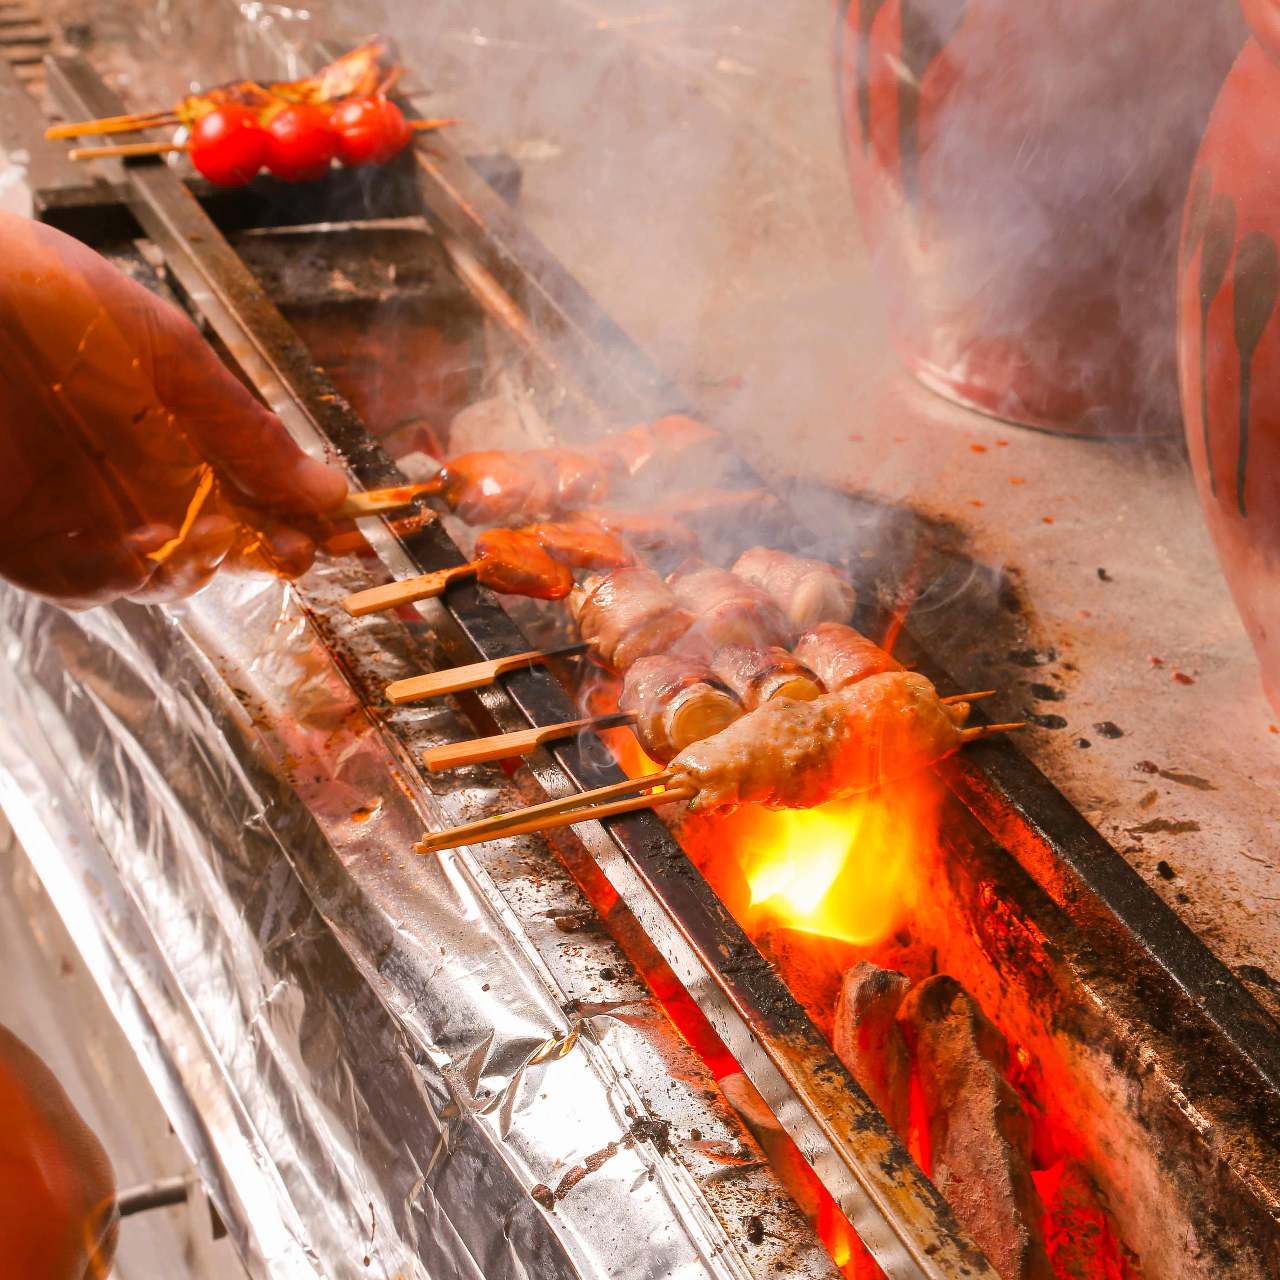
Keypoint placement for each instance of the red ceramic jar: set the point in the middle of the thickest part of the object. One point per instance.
(1229, 333)
(1020, 168)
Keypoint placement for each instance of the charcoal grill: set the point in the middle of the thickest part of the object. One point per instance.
(1089, 965)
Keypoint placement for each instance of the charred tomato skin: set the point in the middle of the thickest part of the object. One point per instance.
(369, 130)
(228, 145)
(301, 143)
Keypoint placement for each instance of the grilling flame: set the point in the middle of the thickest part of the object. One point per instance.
(844, 870)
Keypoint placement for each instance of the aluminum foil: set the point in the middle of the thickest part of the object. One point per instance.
(384, 1065)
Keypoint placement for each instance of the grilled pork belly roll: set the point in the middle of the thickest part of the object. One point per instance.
(513, 561)
(758, 675)
(628, 615)
(729, 611)
(796, 755)
(840, 656)
(677, 702)
(808, 591)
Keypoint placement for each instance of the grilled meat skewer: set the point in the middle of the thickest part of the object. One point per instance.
(797, 755)
(809, 592)
(676, 702)
(840, 656)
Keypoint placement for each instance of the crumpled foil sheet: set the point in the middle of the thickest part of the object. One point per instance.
(384, 1064)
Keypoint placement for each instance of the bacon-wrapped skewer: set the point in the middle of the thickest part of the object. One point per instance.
(729, 610)
(760, 674)
(628, 615)
(808, 591)
(840, 656)
(675, 702)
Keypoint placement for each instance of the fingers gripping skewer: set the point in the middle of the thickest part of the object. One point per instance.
(393, 594)
(578, 807)
(474, 676)
(521, 742)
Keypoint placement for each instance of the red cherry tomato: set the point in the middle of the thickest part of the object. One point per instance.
(300, 143)
(370, 130)
(228, 145)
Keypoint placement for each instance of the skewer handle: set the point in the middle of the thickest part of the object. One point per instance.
(547, 823)
(490, 827)
(374, 501)
(112, 124)
(393, 594)
(502, 746)
(124, 150)
(475, 676)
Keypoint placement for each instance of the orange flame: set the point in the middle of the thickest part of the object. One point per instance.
(845, 870)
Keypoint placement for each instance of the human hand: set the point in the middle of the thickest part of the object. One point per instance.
(132, 462)
(57, 1191)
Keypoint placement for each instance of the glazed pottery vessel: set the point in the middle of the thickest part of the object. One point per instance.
(1020, 167)
(1229, 333)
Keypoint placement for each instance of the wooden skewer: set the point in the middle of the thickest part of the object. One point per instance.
(952, 698)
(374, 501)
(520, 742)
(125, 150)
(475, 676)
(550, 808)
(573, 816)
(406, 591)
(112, 124)
(426, 126)
(986, 730)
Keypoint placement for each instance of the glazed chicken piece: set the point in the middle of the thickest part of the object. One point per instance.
(840, 656)
(513, 561)
(505, 487)
(667, 437)
(677, 703)
(808, 591)
(796, 755)
(581, 542)
(628, 615)
(758, 675)
(729, 611)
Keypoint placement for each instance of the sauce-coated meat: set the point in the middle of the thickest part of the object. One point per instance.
(505, 487)
(581, 542)
(513, 561)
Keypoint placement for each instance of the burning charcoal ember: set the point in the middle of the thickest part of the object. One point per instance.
(978, 1133)
(1079, 1232)
(869, 1041)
